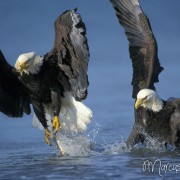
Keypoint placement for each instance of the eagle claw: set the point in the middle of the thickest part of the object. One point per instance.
(56, 124)
(47, 135)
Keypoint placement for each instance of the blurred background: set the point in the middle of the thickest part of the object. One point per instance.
(27, 26)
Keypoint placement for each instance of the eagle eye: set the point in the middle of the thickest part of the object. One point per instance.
(145, 98)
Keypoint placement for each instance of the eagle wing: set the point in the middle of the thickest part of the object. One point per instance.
(13, 99)
(72, 51)
(142, 44)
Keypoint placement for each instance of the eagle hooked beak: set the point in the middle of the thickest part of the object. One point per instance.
(22, 66)
(138, 103)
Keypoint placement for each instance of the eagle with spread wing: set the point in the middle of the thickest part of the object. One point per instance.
(54, 84)
(153, 116)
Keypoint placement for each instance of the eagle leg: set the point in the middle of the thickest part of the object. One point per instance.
(56, 124)
(134, 138)
(39, 111)
(56, 105)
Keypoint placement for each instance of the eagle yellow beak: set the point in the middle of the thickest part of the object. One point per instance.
(22, 66)
(138, 103)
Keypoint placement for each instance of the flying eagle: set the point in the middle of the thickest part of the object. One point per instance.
(158, 118)
(54, 84)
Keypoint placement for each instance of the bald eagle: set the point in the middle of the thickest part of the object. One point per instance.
(153, 116)
(54, 84)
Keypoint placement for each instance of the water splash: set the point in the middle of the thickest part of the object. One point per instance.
(117, 148)
(75, 146)
(82, 145)
(79, 145)
(155, 145)
(150, 145)
(94, 132)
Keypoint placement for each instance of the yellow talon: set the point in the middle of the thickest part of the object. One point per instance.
(56, 124)
(47, 135)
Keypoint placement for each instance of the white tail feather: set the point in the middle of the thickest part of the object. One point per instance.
(74, 116)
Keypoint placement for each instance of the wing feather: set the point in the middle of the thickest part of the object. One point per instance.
(72, 51)
(13, 100)
(142, 44)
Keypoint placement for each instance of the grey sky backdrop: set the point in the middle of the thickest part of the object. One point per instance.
(28, 26)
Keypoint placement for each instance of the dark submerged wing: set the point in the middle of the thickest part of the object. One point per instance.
(13, 100)
(72, 51)
(142, 44)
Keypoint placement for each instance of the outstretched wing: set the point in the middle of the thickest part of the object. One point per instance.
(13, 100)
(72, 51)
(142, 44)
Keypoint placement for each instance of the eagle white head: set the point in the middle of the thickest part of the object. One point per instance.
(149, 99)
(29, 63)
